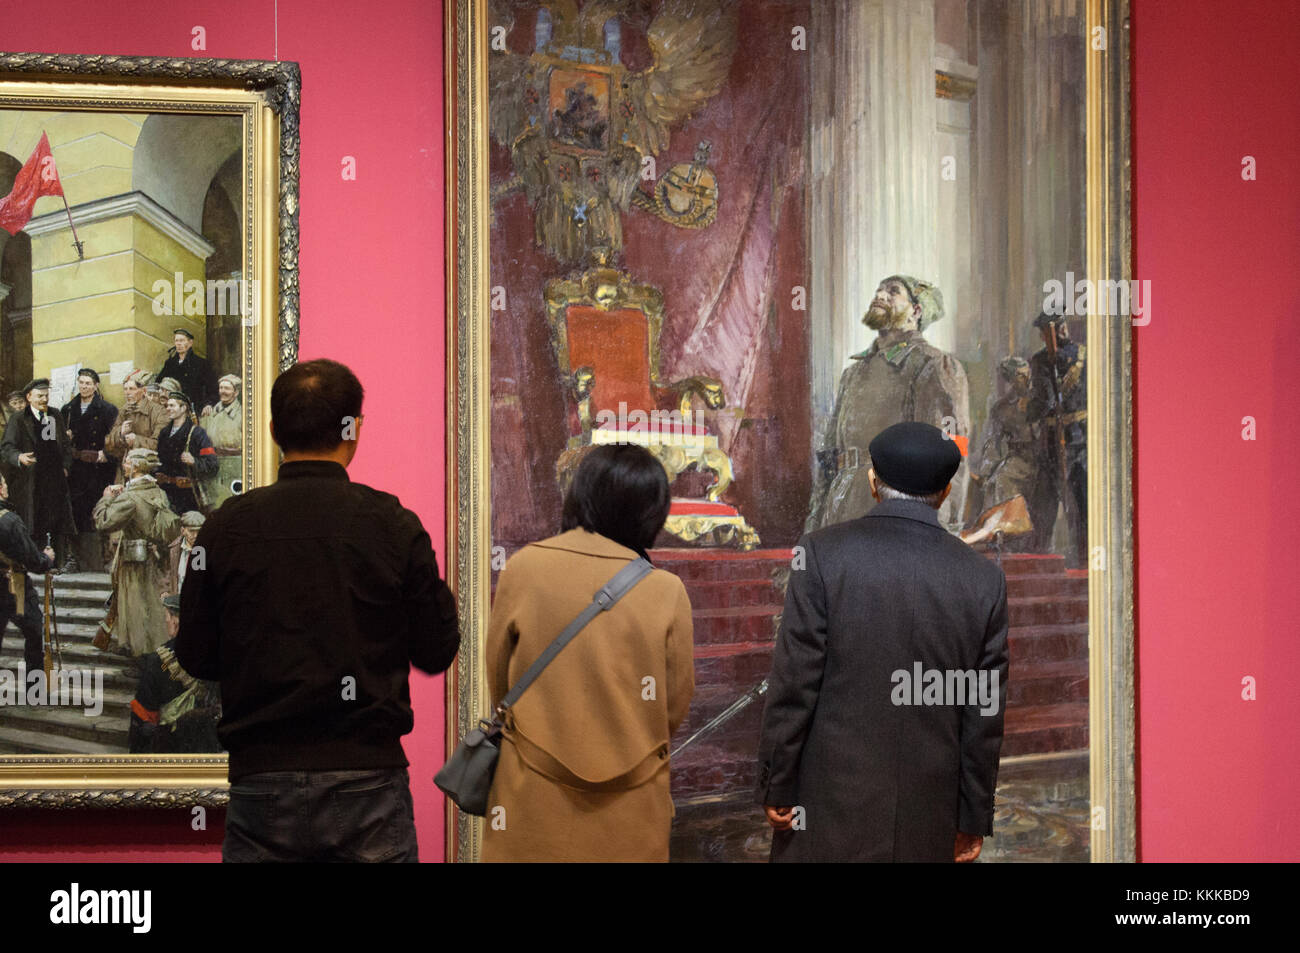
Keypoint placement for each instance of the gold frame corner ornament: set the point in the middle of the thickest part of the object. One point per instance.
(265, 96)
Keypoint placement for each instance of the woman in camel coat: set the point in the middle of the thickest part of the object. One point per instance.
(583, 772)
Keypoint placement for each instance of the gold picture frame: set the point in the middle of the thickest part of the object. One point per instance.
(263, 98)
(1104, 50)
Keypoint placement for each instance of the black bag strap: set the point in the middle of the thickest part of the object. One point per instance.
(610, 593)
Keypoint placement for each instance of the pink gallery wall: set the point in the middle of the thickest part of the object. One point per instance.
(372, 291)
(1218, 598)
(1218, 577)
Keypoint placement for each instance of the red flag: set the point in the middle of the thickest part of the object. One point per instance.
(36, 178)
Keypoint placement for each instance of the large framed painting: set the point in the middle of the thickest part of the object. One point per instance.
(686, 224)
(148, 298)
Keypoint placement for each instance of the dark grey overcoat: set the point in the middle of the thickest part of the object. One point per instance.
(39, 493)
(880, 781)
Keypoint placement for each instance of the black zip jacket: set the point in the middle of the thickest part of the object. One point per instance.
(309, 600)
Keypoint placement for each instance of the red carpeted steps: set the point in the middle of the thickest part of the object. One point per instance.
(1047, 688)
(737, 599)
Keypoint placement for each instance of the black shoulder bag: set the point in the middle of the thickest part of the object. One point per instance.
(466, 778)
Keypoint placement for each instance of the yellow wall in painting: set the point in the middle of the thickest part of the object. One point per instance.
(101, 309)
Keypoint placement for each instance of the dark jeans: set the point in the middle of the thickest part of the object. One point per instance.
(320, 816)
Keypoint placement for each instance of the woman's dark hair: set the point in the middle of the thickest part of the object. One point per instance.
(313, 404)
(621, 492)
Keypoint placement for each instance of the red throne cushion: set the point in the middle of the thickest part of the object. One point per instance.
(614, 345)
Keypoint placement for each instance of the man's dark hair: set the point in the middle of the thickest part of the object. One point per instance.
(309, 404)
(621, 492)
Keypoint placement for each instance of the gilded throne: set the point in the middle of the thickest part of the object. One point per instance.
(605, 333)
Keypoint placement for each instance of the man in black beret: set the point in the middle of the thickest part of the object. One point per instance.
(883, 721)
(193, 373)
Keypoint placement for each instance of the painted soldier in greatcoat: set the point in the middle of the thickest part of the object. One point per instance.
(901, 377)
(138, 423)
(224, 425)
(1005, 465)
(1058, 407)
(139, 511)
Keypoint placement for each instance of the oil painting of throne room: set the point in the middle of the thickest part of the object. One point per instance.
(751, 234)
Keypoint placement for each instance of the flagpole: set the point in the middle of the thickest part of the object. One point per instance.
(76, 243)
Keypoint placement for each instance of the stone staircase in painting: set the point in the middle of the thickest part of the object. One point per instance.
(79, 600)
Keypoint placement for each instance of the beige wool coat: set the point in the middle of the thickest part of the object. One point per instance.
(583, 773)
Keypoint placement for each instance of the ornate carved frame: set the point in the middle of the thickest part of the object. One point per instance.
(1110, 490)
(266, 96)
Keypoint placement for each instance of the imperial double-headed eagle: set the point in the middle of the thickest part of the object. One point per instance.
(583, 130)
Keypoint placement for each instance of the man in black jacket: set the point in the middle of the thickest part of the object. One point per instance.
(313, 598)
(37, 454)
(194, 374)
(89, 419)
(185, 456)
(883, 720)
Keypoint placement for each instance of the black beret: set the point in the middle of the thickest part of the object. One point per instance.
(1044, 319)
(180, 396)
(185, 331)
(914, 457)
(38, 384)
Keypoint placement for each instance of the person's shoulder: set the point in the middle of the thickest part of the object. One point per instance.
(932, 352)
(398, 516)
(973, 564)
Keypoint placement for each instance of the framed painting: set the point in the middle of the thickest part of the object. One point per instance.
(148, 299)
(678, 223)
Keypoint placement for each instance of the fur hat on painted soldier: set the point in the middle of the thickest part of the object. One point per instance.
(926, 295)
(914, 457)
(143, 458)
(232, 380)
(169, 386)
(140, 378)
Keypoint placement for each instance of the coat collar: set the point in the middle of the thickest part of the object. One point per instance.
(313, 468)
(589, 544)
(907, 509)
(895, 352)
(96, 403)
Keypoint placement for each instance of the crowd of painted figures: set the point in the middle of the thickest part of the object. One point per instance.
(127, 489)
